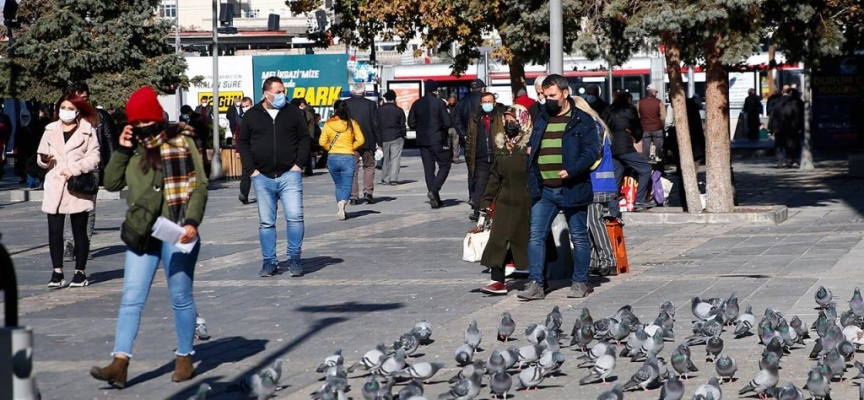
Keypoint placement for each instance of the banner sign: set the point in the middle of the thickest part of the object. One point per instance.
(318, 78)
(838, 98)
(235, 80)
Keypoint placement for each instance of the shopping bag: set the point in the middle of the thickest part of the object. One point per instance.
(475, 240)
(658, 192)
(628, 194)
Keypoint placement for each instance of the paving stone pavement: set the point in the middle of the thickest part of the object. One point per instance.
(371, 277)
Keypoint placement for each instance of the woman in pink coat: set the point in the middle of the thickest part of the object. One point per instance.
(68, 148)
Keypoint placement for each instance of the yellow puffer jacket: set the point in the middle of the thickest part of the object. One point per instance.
(348, 140)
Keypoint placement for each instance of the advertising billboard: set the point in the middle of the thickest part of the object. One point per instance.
(318, 78)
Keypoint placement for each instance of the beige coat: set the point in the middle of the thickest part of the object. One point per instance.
(80, 155)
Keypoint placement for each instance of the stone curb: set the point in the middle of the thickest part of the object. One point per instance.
(19, 195)
(676, 216)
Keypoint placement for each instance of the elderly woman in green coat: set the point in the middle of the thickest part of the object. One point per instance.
(508, 191)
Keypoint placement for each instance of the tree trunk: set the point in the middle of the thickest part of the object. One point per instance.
(806, 162)
(517, 75)
(718, 165)
(682, 127)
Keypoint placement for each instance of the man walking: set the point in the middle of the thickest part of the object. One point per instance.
(486, 122)
(364, 111)
(565, 145)
(455, 139)
(245, 180)
(652, 115)
(309, 113)
(391, 122)
(462, 118)
(752, 112)
(107, 137)
(787, 125)
(274, 149)
(537, 107)
(430, 119)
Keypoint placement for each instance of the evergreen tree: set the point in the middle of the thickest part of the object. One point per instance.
(115, 46)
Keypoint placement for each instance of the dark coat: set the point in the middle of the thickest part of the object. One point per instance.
(391, 122)
(365, 112)
(624, 127)
(496, 127)
(271, 146)
(430, 119)
(107, 136)
(508, 190)
(787, 118)
(462, 114)
(580, 147)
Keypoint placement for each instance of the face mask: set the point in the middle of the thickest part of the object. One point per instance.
(145, 132)
(512, 129)
(67, 115)
(278, 101)
(541, 100)
(203, 104)
(487, 107)
(246, 109)
(25, 121)
(553, 107)
(184, 118)
(590, 98)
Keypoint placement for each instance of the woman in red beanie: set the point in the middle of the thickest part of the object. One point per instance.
(164, 172)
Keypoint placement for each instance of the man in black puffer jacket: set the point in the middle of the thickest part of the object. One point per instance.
(625, 129)
(430, 119)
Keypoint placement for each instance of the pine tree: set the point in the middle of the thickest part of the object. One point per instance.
(115, 46)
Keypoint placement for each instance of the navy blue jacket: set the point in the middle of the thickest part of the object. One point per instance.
(580, 146)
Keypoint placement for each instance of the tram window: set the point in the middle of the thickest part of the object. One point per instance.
(635, 85)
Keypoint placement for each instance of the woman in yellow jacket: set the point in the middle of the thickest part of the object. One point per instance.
(341, 137)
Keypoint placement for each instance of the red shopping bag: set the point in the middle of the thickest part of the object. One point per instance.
(628, 194)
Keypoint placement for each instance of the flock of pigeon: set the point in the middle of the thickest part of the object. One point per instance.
(602, 343)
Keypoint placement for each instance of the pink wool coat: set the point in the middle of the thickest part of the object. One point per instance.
(80, 155)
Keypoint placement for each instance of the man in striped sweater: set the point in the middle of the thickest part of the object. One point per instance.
(564, 146)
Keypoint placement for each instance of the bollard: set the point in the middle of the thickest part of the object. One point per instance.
(16, 343)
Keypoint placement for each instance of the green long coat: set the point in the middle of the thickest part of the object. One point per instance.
(508, 189)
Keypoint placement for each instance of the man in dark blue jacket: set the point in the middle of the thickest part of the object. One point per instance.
(430, 119)
(564, 146)
(365, 113)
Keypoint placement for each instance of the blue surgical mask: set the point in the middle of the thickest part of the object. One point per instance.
(590, 98)
(278, 101)
(487, 107)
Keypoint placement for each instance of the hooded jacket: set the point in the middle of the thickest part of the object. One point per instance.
(274, 146)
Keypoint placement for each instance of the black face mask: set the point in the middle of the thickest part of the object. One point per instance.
(147, 131)
(512, 129)
(553, 107)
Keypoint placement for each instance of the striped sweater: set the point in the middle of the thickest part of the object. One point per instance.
(550, 158)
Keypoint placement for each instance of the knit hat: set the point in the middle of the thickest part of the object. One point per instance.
(143, 105)
(431, 86)
(390, 95)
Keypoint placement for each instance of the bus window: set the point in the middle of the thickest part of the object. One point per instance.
(635, 85)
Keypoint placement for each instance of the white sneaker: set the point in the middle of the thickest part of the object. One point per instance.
(508, 270)
(340, 213)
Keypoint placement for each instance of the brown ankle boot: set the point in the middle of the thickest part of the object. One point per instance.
(183, 369)
(114, 374)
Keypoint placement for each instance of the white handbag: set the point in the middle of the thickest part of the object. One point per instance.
(475, 241)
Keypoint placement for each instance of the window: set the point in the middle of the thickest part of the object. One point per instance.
(168, 9)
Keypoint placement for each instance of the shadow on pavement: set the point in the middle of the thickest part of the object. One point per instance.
(360, 213)
(109, 251)
(315, 264)
(105, 276)
(351, 306)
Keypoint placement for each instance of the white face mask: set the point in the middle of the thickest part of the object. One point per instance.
(246, 109)
(541, 100)
(67, 116)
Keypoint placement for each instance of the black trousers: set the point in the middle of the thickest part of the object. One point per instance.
(442, 156)
(79, 233)
(245, 184)
(479, 179)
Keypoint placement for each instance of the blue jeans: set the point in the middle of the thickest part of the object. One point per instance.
(341, 168)
(138, 273)
(543, 212)
(268, 191)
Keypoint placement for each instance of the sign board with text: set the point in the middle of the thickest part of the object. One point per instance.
(318, 78)
(235, 80)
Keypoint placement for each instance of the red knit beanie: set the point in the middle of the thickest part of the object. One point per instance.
(143, 105)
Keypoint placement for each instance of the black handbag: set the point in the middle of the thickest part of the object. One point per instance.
(86, 183)
(140, 217)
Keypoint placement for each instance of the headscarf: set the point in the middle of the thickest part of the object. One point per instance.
(523, 118)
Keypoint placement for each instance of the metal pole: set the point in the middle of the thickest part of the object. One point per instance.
(610, 77)
(178, 94)
(691, 81)
(216, 163)
(556, 38)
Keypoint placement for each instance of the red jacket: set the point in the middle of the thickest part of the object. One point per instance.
(524, 101)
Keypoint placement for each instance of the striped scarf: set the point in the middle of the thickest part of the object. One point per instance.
(178, 170)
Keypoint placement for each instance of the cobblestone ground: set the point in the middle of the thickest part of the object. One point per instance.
(393, 263)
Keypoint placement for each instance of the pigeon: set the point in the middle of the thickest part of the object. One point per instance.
(370, 388)
(551, 342)
(790, 336)
(730, 310)
(554, 320)
(642, 378)
(423, 330)
(817, 384)
(334, 383)
(335, 359)
(617, 393)
(408, 342)
(701, 311)
(769, 360)
(860, 368)
(831, 311)
(413, 388)
(625, 316)
(836, 362)
(391, 365)
(201, 394)
(495, 363)
(823, 296)
(421, 370)
(530, 377)
(668, 308)
(856, 304)
(551, 361)
(602, 368)
(634, 343)
(846, 349)
(713, 347)
(766, 378)
(652, 346)
(681, 362)
(673, 388)
(707, 329)
(712, 389)
(529, 354)
(373, 358)
(506, 328)
(789, 392)
(585, 317)
(511, 356)
(798, 325)
(595, 352)
(767, 332)
(854, 334)
(535, 334)
(464, 354)
(330, 391)
(618, 331)
(467, 371)
(259, 387)
(583, 336)
(745, 321)
(666, 322)
(465, 389)
(500, 384)
(820, 325)
(726, 367)
(849, 318)
(274, 371)
(601, 328)
(473, 335)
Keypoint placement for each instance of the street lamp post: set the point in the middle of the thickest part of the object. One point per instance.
(556, 37)
(178, 93)
(216, 163)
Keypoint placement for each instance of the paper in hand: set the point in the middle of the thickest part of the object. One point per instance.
(167, 231)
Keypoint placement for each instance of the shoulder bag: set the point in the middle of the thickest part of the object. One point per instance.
(140, 217)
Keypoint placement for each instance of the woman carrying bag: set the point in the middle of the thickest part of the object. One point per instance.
(69, 153)
(341, 137)
(164, 172)
(508, 190)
